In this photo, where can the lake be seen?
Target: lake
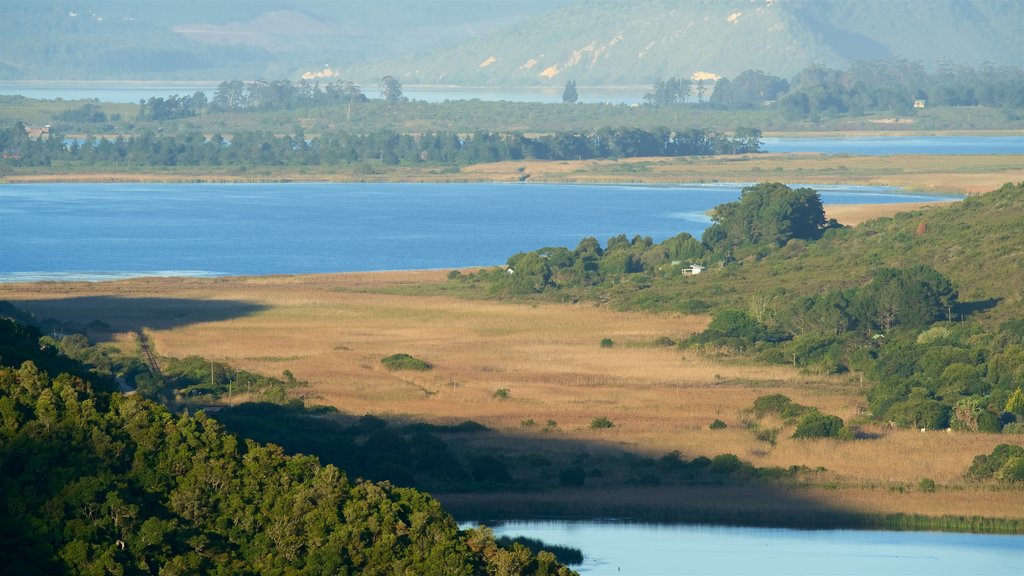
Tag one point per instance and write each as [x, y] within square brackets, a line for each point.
[889, 145]
[619, 548]
[109, 231]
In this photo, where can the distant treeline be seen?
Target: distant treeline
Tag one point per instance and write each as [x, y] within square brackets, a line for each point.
[892, 86]
[387, 147]
[235, 95]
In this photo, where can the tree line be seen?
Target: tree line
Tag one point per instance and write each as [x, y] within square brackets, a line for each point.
[388, 147]
[873, 86]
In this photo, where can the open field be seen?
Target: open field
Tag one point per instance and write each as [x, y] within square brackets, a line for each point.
[332, 331]
[955, 174]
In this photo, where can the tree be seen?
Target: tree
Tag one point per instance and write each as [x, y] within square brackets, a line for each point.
[570, 95]
[769, 213]
[390, 89]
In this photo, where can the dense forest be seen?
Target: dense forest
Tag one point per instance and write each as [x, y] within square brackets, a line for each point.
[386, 147]
[890, 314]
[99, 482]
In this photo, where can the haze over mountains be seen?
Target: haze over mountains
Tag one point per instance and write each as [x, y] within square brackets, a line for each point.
[494, 43]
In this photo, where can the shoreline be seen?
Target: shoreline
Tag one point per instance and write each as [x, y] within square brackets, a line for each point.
[846, 214]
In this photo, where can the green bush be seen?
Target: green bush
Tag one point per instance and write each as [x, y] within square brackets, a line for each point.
[779, 404]
[1012, 471]
[607, 343]
[817, 425]
[404, 361]
[1014, 428]
[1006, 462]
[502, 394]
[601, 422]
[724, 464]
[717, 425]
[926, 485]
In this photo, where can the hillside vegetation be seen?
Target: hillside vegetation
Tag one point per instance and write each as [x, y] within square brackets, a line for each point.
[927, 305]
[100, 482]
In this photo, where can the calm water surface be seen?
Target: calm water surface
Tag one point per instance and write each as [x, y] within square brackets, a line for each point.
[891, 145]
[99, 231]
[615, 548]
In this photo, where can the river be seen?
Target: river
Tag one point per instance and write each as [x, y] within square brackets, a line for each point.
[109, 231]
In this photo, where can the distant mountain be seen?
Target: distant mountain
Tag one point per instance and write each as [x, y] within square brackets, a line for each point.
[223, 40]
[611, 42]
[494, 42]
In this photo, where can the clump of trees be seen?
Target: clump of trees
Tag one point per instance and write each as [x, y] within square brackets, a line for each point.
[1005, 464]
[767, 216]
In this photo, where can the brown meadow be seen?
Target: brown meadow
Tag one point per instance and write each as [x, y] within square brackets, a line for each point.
[332, 330]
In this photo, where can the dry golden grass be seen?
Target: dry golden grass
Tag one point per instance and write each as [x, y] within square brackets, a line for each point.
[854, 214]
[332, 331]
[964, 174]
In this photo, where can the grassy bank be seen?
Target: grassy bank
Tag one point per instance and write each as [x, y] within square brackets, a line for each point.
[954, 174]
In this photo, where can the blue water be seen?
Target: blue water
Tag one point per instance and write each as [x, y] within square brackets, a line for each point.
[99, 231]
[889, 145]
[614, 548]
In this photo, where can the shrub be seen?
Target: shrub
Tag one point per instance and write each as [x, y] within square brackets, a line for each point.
[601, 422]
[607, 343]
[725, 463]
[989, 422]
[817, 425]
[1012, 471]
[717, 425]
[926, 485]
[1006, 462]
[404, 361]
[664, 341]
[1014, 428]
[502, 394]
[779, 404]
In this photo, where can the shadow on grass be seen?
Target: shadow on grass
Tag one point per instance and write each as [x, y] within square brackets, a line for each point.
[101, 316]
[482, 474]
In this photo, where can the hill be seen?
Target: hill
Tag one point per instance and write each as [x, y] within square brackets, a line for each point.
[635, 42]
[221, 40]
[496, 43]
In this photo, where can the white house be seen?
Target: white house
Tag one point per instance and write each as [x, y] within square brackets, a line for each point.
[693, 270]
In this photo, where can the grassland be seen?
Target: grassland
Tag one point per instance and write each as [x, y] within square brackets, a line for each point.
[959, 174]
[332, 330]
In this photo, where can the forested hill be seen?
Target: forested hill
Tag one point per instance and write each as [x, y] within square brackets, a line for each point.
[93, 482]
[637, 41]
